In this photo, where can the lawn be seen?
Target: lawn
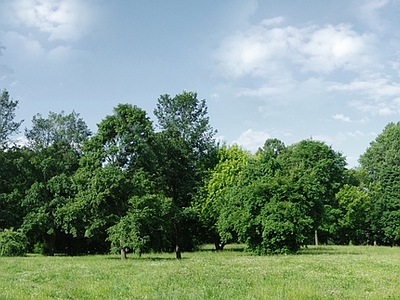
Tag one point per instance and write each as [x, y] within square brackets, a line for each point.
[327, 272]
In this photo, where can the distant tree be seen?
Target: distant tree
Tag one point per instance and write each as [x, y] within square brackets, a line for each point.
[184, 143]
[69, 129]
[7, 116]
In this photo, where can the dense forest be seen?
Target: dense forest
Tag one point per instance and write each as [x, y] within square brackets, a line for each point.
[135, 186]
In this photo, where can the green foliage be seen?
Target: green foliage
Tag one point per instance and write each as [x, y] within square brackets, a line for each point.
[145, 227]
[280, 196]
[57, 128]
[7, 115]
[355, 203]
[183, 148]
[222, 177]
[381, 160]
[13, 243]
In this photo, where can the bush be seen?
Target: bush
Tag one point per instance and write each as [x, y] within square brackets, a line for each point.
[13, 243]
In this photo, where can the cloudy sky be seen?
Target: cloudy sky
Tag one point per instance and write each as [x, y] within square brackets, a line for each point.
[292, 70]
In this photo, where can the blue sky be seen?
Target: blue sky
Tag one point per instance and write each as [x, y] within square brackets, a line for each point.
[292, 70]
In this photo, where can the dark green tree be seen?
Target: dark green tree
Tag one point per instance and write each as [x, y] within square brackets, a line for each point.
[382, 160]
[56, 143]
[117, 165]
[185, 144]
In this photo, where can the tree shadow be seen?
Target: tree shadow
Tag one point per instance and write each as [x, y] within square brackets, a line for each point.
[327, 250]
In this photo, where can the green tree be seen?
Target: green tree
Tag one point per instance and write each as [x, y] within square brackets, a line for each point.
[280, 196]
[184, 145]
[224, 175]
[8, 125]
[354, 221]
[381, 160]
[143, 228]
[16, 177]
[117, 165]
[56, 143]
[321, 172]
[13, 243]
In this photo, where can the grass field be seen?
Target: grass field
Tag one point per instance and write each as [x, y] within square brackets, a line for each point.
[328, 272]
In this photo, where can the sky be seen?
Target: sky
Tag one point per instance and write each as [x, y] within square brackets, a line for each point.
[292, 70]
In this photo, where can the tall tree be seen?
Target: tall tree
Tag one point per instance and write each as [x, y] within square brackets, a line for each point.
[381, 160]
[117, 165]
[185, 140]
[8, 125]
[56, 142]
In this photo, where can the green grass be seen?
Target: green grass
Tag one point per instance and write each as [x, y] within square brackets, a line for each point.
[329, 272]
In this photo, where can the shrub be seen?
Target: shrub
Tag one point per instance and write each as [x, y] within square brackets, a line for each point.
[13, 243]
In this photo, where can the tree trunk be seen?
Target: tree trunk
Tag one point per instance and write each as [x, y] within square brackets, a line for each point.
[177, 250]
[123, 253]
[316, 237]
[217, 242]
[52, 243]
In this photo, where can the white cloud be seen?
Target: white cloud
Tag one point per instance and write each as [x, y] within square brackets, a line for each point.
[273, 21]
[341, 117]
[66, 20]
[252, 140]
[261, 50]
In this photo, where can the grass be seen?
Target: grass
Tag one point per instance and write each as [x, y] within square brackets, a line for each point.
[327, 272]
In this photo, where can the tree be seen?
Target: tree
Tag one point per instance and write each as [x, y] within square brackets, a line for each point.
[381, 160]
[223, 176]
[56, 143]
[281, 194]
[321, 172]
[16, 177]
[7, 115]
[354, 221]
[117, 165]
[143, 228]
[185, 141]
[13, 243]
[68, 129]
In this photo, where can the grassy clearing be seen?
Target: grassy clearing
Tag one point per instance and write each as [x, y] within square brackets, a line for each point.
[329, 272]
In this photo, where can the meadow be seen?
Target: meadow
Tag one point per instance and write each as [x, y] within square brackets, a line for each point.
[325, 272]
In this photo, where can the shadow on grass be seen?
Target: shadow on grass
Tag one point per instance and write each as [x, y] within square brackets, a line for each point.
[328, 250]
[155, 258]
[227, 248]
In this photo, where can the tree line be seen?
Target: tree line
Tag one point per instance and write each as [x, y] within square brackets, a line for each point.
[138, 186]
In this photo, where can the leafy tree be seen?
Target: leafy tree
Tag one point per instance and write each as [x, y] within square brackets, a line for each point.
[13, 243]
[16, 177]
[56, 143]
[321, 172]
[355, 204]
[184, 143]
[223, 176]
[281, 194]
[381, 160]
[68, 129]
[117, 165]
[143, 228]
[7, 116]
